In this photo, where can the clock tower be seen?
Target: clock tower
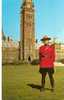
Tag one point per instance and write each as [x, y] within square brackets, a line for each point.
[27, 28]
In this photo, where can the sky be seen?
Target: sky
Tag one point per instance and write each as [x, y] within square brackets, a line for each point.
[49, 18]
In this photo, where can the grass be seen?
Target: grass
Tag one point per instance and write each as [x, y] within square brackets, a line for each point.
[18, 81]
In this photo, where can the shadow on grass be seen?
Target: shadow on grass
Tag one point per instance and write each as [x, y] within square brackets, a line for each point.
[37, 87]
[34, 86]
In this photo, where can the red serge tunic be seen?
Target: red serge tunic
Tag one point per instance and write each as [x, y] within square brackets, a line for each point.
[47, 56]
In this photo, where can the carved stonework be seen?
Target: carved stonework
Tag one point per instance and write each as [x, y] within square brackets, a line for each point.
[27, 30]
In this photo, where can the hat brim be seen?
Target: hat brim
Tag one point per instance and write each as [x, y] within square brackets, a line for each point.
[45, 39]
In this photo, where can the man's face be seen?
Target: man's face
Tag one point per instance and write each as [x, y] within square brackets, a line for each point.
[46, 42]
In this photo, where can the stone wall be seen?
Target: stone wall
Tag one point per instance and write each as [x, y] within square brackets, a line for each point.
[10, 55]
[59, 54]
[13, 55]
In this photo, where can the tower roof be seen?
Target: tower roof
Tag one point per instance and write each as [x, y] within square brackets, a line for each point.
[27, 3]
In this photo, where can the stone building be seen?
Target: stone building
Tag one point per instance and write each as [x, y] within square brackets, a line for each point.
[59, 48]
[10, 50]
[27, 28]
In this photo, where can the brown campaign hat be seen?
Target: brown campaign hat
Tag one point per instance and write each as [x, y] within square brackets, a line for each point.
[45, 38]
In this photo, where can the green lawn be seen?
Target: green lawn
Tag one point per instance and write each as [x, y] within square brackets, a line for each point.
[18, 81]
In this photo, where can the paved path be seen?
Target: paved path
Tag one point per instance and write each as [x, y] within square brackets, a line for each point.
[58, 64]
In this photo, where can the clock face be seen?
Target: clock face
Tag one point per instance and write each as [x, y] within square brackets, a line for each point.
[28, 5]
